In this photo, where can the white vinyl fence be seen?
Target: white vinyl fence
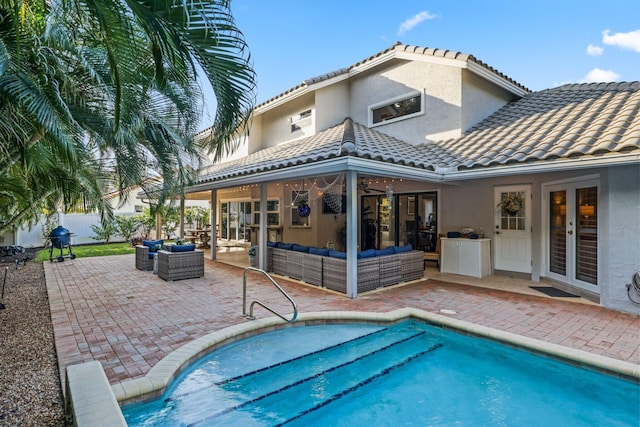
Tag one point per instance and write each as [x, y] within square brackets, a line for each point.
[78, 224]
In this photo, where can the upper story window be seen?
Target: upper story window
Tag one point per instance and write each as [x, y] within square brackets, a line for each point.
[402, 107]
[300, 120]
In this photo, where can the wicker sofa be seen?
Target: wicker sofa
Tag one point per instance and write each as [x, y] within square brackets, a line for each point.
[331, 272]
[180, 265]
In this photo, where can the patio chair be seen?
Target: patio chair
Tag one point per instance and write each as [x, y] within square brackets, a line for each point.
[434, 256]
[144, 258]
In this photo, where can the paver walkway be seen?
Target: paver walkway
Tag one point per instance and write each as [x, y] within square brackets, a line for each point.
[104, 309]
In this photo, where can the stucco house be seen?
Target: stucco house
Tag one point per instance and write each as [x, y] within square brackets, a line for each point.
[415, 142]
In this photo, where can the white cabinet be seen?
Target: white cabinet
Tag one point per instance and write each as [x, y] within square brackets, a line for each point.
[469, 257]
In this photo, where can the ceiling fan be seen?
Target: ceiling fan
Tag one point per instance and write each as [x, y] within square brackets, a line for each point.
[363, 186]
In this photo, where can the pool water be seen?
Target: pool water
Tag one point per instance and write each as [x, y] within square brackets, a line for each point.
[410, 374]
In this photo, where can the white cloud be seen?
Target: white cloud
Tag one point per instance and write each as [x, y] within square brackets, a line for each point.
[594, 50]
[630, 40]
[410, 23]
[597, 75]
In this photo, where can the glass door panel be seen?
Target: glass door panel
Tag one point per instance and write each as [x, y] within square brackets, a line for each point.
[233, 220]
[370, 222]
[224, 218]
[407, 224]
[587, 235]
[558, 232]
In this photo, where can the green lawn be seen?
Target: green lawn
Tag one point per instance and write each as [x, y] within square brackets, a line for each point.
[84, 251]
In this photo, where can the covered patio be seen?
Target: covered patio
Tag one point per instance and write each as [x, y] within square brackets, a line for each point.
[317, 186]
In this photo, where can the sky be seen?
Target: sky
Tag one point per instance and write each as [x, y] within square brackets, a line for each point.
[538, 43]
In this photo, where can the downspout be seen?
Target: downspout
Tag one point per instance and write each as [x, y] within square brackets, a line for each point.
[352, 234]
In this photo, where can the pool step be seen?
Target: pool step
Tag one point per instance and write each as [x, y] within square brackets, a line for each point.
[373, 340]
[365, 382]
[325, 377]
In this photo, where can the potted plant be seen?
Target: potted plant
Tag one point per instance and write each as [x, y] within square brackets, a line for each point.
[512, 203]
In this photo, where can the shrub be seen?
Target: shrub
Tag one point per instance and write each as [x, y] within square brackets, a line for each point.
[104, 231]
[127, 226]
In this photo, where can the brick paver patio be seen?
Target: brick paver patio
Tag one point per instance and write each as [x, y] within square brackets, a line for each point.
[104, 309]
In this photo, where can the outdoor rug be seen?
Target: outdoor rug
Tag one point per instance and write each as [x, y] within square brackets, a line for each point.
[553, 292]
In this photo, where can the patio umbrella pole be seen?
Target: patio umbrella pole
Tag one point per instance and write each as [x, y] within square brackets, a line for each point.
[6, 269]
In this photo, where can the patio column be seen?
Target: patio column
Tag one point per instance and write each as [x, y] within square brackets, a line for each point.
[262, 234]
[158, 224]
[181, 234]
[352, 234]
[214, 227]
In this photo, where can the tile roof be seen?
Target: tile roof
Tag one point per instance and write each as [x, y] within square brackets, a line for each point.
[397, 47]
[346, 139]
[570, 121]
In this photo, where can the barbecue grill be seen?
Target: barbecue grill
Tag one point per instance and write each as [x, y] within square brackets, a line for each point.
[60, 239]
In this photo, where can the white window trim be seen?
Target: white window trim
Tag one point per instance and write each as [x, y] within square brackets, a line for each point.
[304, 122]
[269, 199]
[402, 97]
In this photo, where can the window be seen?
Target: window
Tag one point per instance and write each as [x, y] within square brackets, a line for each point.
[300, 120]
[298, 197]
[273, 212]
[402, 107]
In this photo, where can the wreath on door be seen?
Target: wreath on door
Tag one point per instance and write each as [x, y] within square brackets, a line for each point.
[512, 203]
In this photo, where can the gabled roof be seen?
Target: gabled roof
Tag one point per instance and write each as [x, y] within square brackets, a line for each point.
[571, 123]
[399, 50]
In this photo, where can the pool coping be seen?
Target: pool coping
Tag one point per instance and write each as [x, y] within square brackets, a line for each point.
[155, 382]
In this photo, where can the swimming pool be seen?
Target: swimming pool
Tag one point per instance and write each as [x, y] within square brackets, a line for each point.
[410, 373]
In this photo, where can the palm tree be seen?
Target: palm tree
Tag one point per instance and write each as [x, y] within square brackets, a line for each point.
[110, 90]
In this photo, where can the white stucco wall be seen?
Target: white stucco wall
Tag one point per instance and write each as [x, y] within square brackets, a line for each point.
[332, 105]
[620, 243]
[441, 86]
[276, 127]
[480, 99]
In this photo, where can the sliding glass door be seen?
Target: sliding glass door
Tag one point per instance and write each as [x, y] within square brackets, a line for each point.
[236, 219]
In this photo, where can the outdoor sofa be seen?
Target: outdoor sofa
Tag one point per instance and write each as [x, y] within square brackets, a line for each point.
[174, 262]
[328, 268]
[174, 265]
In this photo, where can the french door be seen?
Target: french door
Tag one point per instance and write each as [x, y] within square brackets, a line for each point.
[236, 218]
[572, 233]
